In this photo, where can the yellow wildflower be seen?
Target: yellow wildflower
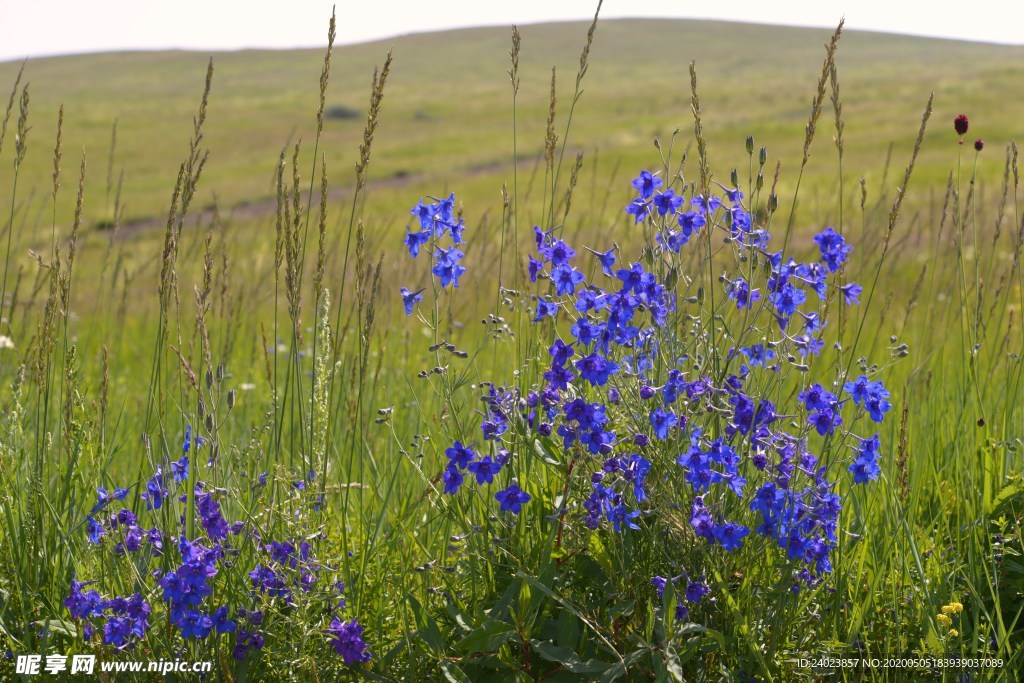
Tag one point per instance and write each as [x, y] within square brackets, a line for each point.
[953, 633]
[945, 620]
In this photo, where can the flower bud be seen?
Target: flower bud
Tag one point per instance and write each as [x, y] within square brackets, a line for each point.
[960, 124]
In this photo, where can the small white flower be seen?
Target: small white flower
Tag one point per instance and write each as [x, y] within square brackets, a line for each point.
[247, 386]
[6, 342]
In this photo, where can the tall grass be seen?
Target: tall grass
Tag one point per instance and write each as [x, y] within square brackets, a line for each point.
[294, 436]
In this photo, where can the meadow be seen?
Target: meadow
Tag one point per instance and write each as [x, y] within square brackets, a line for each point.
[294, 385]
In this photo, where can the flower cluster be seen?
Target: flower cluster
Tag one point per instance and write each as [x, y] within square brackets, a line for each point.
[121, 525]
[637, 379]
[190, 586]
[127, 618]
[437, 220]
[945, 617]
[693, 592]
[346, 638]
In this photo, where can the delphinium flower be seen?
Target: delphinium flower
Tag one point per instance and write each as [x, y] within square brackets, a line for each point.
[646, 183]
[410, 299]
[83, 605]
[625, 384]
[179, 469]
[156, 490]
[103, 498]
[246, 639]
[436, 220]
[447, 267]
[186, 445]
[834, 250]
[346, 639]
[740, 292]
[606, 259]
[865, 466]
[512, 499]
[871, 394]
[186, 587]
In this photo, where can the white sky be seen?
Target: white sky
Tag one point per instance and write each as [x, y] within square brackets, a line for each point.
[33, 28]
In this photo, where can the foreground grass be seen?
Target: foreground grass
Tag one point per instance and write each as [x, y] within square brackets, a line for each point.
[197, 322]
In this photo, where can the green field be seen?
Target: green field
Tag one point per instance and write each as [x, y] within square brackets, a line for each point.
[133, 326]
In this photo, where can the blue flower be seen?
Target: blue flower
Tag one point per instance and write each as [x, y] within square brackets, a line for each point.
[706, 207]
[606, 258]
[187, 444]
[639, 209]
[535, 267]
[179, 468]
[415, 240]
[619, 515]
[155, 491]
[194, 624]
[558, 253]
[346, 638]
[545, 309]
[646, 183]
[596, 369]
[787, 298]
[103, 498]
[758, 355]
[865, 466]
[484, 469]
[512, 499]
[730, 536]
[667, 202]
[566, 278]
[410, 299]
[460, 456]
[221, 621]
[446, 267]
[834, 249]
[740, 292]
[851, 291]
[662, 421]
[696, 590]
[690, 222]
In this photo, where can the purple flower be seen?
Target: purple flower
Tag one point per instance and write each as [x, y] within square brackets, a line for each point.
[606, 258]
[512, 499]
[851, 291]
[646, 183]
[730, 536]
[179, 468]
[346, 638]
[459, 455]
[410, 299]
[566, 278]
[484, 469]
[415, 240]
[452, 479]
[662, 421]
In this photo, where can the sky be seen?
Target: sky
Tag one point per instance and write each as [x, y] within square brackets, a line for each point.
[49, 27]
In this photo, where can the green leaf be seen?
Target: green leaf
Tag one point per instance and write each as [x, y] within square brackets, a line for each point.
[568, 658]
[621, 668]
[544, 452]
[426, 627]
[61, 627]
[487, 637]
[453, 674]
[622, 608]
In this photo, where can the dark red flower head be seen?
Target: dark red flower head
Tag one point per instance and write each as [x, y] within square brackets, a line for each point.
[960, 124]
[979, 144]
